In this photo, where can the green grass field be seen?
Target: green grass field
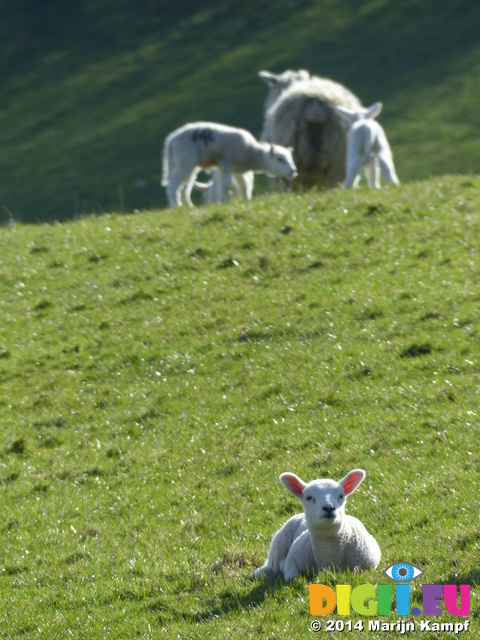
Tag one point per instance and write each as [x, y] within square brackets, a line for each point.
[159, 370]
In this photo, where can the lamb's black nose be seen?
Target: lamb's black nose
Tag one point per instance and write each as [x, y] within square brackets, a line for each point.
[329, 508]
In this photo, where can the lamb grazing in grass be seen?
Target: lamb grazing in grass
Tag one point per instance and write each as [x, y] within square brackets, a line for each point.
[205, 145]
[323, 536]
[241, 186]
[367, 146]
[304, 117]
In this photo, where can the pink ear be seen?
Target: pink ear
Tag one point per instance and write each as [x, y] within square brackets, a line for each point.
[351, 481]
[374, 109]
[293, 484]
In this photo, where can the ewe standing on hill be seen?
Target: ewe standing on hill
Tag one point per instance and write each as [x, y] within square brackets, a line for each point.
[304, 117]
[323, 536]
[205, 145]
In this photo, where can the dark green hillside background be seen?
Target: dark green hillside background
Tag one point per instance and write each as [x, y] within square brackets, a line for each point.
[90, 88]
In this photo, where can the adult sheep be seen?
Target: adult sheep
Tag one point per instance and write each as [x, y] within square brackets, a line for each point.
[304, 117]
[277, 83]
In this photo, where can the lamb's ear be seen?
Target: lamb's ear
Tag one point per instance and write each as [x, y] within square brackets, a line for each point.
[346, 113]
[352, 480]
[374, 110]
[272, 150]
[293, 484]
[269, 78]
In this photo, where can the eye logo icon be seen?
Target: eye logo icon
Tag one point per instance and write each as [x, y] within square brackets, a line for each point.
[403, 572]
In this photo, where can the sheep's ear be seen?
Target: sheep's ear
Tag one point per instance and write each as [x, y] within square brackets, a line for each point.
[269, 78]
[293, 484]
[272, 150]
[352, 480]
[346, 113]
[290, 149]
[374, 110]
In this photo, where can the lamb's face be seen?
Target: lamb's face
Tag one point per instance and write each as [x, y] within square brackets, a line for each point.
[280, 162]
[324, 504]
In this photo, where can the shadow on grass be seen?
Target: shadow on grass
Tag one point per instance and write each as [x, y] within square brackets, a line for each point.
[470, 577]
[230, 601]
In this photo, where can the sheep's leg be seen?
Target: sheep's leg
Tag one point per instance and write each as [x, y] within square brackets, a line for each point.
[249, 178]
[188, 188]
[372, 174]
[377, 173]
[224, 182]
[277, 553]
[179, 177]
[300, 558]
[387, 168]
[244, 185]
[354, 163]
[174, 188]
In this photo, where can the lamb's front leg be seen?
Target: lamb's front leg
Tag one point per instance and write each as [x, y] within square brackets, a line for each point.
[300, 559]
[245, 184]
[280, 546]
[223, 183]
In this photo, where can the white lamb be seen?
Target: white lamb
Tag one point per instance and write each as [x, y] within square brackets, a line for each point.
[241, 186]
[304, 117]
[367, 147]
[204, 145]
[323, 536]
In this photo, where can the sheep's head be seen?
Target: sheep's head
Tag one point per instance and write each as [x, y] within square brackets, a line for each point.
[278, 83]
[362, 113]
[323, 500]
[280, 162]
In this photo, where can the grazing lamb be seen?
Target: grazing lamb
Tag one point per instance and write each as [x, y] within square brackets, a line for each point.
[323, 536]
[304, 117]
[241, 186]
[204, 145]
[367, 146]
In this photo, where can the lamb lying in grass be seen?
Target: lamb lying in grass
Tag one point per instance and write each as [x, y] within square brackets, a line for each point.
[241, 187]
[205, 145]
[323, 536]
[367, 146]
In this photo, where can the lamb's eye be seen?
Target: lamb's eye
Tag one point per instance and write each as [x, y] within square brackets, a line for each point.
[340, 497]
[280, 158]
[311, 498]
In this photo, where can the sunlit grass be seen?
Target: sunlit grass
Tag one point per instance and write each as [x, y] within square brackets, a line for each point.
[160, 370]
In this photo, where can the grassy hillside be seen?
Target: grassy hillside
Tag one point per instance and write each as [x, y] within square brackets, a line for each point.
[90, 89]
[159, 371]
